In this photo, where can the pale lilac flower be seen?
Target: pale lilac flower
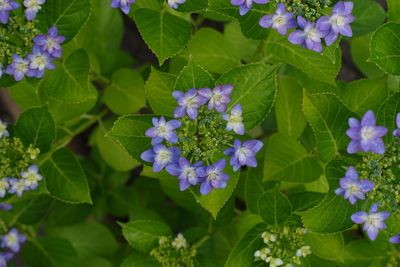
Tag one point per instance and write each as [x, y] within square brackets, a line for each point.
[212, 177]
[337, 23]
[219, 97]
[124, 5]
[3, 129]
[185, 172]
[31, 177]
[39, 61]
[280, 20]
[5, 206]
[373, 221]
[366, 136]
[246, 5]
[395, 239]
[13, 240]
[4, 186]
[51, 42]
[310, 37]
[395, 132]
[161, 156]
[175, 3]
[163, 130]
[17, 186]
[4, 258]
[352, 188]
[235, 120]
[32, 8]
[189, 103]
[244, 155]
[5, 7]
[18, 68]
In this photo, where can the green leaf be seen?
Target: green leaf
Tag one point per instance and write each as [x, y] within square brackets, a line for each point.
[363, 252]
[159, 89]
[388, 112]
[126, 93]
[325, 246]
[137, 259]
[394, 10]
[385, 48]
[317, 66]
[254, 89]
[193, 76]
[36, 127]
[193, 6]
[274, 207]
[243, 252]
[328, 118]
[288, 107]
[330, 216]
[305, 200]
[217, 198]
[129, 132]
[369, 15]
[25, 94]
[33, 210]
[287, 160]
[213, 51]
[65, 178]
[366, 94]
[165, 34]
[144, 234]
[49, 252]
[68, 15]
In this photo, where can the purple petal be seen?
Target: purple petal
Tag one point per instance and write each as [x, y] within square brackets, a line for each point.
[368, 119]
[173, 170]
[359, 217]
[354, 147]
[351, 173]
[373, 208]
[395, 239]
[377, 146]
[205, 187]
[220, 165]
[266, 21]
[148, 155]
[180, 112]
[366, 185]
[372, 233]
[297, 37]
[354, 123]
[380, 131]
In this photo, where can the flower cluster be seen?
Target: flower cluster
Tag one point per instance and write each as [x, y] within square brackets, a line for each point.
[125, 5]
[200, 134]
[26, 52]
[10, 243]
[174, 252]
[17, 173]
[283, 246]
[382, 187]
[314, 26]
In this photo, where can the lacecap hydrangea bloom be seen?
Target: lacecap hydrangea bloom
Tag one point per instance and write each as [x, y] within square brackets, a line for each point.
[192, 146]
[10, 244]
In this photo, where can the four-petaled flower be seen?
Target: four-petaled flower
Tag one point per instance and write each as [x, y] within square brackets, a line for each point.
[160, 156]
[163, 130]
[280, 20]
[219, 97]
[13, 240]
[185, 172]
[5, 7]
[39, 62]
[396, 132]
[244, 155]
[175, 3]
[3, 129]
[212, 176]
[32, 8]
[31, 177]
[310, 37]
[352, 188]
[246, 5]
[189, 103]
[337, 23]
[235, 120]
[17, 186]
[50, 42]
[124, 5]
[366, 136]
[18, 68]
[373, 221]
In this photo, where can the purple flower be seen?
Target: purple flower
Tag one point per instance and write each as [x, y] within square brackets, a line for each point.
[395, 239]
[185, 172]
[17, 186]
[5, 7]
[337, 23]
[31, 177]
[18, 68]
[51, 42]
[352, 188]
[4, 186]
[3, 129]
[212, 177]
[4, 257]
[39, 62]
[246, 5]
[161, 156]
[395, 132]
[366, 136]
[124, 5]
[5, 206]
[280, 20]
[373, 221]
[310, 37]
[189, 103]
[13, 240]
[219, 97]
[244, 155]
[175, 3]
[32, 8]
[163, 130]
[235, 120]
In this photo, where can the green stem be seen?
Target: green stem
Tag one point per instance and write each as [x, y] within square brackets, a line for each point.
[201, 241]
[97, 77]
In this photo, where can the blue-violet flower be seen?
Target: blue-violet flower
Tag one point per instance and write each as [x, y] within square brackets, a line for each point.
[32, 8]
[280, 20]
[50, 42]
[235, 120]
[310, 37]
[163, 130]
[217, 98]
[395, 132]
[244, 155]
[124, 5]
[212, 177]
[246, 5]
[189, 103]
[160, 156]
[5, 7]
[185, 172]
[175, 3]
[13, 240]
[18, 68]
[31, 177]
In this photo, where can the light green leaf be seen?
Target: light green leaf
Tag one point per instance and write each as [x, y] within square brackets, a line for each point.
[274, 207]
[394, 10]
[325, 246]
[254, 89]
[25, 94]
[363, 252]
[165, 34]
[193, 76]
[65, 178]
[144, 234]
[287, 160]
[137, 259]
[387, 113]
[369, 15]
